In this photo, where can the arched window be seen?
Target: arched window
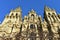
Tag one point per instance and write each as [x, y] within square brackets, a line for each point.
[53, 13]
[32, 15]
[39, 18]
[11, 14]
[32, 26]
[16, 15]
[7, 16]
[49, 14]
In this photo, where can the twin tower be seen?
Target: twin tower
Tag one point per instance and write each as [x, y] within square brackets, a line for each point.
[31, 27]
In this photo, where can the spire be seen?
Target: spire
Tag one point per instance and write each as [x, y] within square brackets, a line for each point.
[17, 9]
[47, 8]
[32, 11]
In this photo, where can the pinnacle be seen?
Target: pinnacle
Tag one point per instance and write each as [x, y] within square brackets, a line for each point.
[18, 9]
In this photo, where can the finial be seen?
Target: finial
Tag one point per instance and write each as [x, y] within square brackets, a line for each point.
[17, 9]
[32, 10]
[47, 8]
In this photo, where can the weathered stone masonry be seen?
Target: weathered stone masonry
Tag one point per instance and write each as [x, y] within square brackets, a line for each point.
[31, 27]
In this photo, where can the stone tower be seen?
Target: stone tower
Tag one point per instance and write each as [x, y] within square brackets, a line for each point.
[12, 23]
[53, 22]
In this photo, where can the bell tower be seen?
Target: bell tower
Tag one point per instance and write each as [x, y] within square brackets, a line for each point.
[16, 15]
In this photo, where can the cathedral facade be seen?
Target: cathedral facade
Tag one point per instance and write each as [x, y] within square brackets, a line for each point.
[32, 26]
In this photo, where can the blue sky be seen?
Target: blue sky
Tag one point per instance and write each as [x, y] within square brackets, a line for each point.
[27, 5]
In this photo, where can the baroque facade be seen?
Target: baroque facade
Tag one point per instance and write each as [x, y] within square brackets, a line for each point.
[32, 26]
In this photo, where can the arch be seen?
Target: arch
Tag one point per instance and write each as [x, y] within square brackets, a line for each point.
[49, 14]
[32, 26]
[16, 15]
[32, 14]
[12, 14]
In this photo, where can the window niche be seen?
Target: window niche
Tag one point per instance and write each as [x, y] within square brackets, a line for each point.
[32, 15]
[10, 17]
[7, 16]
[53, 13]
[16, 15]
[12, 14]
[49, 14]
[32, 26]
